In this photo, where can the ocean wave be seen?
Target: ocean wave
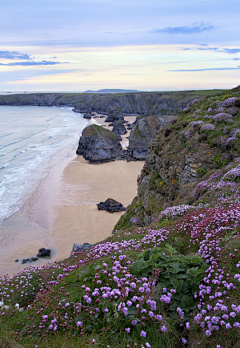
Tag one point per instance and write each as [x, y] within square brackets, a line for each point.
[4, 166]
[29, 154]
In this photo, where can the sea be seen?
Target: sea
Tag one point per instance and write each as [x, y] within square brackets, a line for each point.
[30, 137]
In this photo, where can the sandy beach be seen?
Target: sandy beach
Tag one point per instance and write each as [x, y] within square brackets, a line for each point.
[62, 210]
[76, 218]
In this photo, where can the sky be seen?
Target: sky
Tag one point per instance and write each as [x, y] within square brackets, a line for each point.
[148, 45]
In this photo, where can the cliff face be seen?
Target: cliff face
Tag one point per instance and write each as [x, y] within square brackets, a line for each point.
[142, 133]
[168, 103]
[205, 137]
[137, 103]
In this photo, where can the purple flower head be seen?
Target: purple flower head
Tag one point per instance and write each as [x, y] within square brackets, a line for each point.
[187, 135]
[207, 127]
[223, 117]
[134, 220]
[235, 133]
[195, 123]
[230, 102]
[231, 141]
[143, 333]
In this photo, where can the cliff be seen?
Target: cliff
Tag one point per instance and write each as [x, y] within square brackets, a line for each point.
[142, 133]
[152, 103]
[203, 138]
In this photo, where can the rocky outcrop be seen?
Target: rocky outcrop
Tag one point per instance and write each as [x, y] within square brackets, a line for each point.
[98, 144]
[143, 132]
[81, 247]
[111, 206]
[119, 128]
[41, 253]
[114, 114]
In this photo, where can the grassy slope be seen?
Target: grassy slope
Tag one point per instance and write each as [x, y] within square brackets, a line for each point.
[183, 247]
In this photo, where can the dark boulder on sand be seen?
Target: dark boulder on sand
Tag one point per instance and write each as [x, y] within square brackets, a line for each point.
[111, 206]
[43, 252]
[98, 144]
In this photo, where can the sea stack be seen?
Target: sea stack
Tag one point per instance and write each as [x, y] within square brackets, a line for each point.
[98, 144]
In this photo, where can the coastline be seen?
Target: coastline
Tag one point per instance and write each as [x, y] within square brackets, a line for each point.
[62, 210]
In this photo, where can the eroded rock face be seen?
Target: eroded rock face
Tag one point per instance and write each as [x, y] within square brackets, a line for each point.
[114, 114]
[98, 144]
[143, 132]
[118, 127]
[111, 206]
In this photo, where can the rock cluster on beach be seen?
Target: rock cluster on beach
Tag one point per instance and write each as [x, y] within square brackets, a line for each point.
[41, 253]
[98, 144]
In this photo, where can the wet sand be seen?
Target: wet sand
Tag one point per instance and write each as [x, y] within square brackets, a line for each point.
[62, 210]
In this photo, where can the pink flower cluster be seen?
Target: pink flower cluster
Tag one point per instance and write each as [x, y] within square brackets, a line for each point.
[207, 127]
[175, 211]
[221, 184]
[223, 117]
[195, 123]
[230, 102]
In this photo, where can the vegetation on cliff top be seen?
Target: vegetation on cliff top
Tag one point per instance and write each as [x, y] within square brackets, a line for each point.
[171, 280]
[94, 129]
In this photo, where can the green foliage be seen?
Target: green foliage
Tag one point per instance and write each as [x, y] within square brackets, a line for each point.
[153, 180]
[219, 161]
[179, 272]
[156, 149]
[214, 105]
[160, 183]
[201, 171]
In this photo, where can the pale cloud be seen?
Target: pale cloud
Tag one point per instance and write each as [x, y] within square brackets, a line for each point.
[44, 62]
[195, 28]
[214, 49]
[14, 55]
[209, 69]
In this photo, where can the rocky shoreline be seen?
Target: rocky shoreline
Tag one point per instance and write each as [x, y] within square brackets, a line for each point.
[153, 110]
